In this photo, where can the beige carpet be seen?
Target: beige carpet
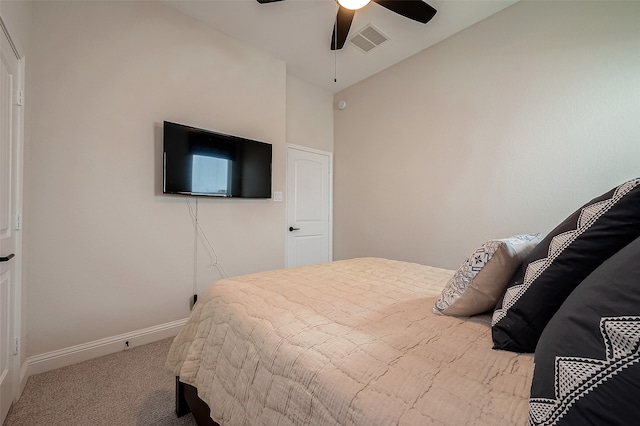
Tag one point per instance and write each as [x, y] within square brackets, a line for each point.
[126, 388]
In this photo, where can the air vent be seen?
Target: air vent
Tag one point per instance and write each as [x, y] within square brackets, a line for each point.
[368, 38]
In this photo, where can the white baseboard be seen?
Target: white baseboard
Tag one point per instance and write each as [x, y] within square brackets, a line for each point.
[74, 354]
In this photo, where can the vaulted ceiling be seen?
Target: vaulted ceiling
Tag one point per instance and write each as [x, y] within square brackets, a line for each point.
[299, 33]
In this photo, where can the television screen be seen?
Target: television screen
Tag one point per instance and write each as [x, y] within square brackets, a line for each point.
[202, 162]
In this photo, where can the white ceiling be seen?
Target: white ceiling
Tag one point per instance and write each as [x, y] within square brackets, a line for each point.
[299, 33]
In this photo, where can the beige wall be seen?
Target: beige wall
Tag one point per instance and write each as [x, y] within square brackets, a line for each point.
[505, 128]
[106, 253]
[309, 115]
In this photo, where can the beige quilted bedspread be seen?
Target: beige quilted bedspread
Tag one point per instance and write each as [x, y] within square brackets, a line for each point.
[351, 342]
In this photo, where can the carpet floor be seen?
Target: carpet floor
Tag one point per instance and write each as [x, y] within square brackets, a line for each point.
[130, 387]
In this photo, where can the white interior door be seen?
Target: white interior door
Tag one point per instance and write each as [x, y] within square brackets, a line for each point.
[8, 213]
[308, 206]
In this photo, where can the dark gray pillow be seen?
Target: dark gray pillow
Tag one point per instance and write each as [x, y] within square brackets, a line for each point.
[561, 261]
[586, 362]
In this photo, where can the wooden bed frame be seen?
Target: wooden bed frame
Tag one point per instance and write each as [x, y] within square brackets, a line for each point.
[188, 401]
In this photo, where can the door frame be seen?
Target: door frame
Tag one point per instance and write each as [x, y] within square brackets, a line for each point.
[287, 196]
[19, 376]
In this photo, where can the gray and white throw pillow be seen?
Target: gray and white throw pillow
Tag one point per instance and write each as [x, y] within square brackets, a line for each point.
[482, 278]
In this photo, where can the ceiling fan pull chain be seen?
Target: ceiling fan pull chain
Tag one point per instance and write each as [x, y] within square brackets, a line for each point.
[335, 66]
[335, 51]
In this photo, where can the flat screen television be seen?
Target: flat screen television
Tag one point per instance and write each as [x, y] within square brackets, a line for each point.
[203, 162]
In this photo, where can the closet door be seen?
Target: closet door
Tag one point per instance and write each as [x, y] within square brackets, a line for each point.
[9, 116]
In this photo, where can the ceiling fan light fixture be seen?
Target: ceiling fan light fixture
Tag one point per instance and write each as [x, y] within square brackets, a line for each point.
[353, 4]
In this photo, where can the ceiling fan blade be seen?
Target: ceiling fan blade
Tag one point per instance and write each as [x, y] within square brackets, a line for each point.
[267, 1]
[412, 9]
[341, 28]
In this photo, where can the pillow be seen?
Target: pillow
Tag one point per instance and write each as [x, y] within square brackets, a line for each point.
[587, 368]
[478, 284]
[561, 261]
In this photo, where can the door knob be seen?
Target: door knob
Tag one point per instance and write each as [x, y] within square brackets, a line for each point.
[6, 258]
[291, 229]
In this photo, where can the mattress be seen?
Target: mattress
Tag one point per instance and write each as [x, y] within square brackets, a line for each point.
[351, 342]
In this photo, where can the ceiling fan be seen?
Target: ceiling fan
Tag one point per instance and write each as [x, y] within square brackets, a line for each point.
[416, 10]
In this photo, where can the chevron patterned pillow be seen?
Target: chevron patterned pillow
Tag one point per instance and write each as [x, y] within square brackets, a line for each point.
[587, 362]
[561, 261]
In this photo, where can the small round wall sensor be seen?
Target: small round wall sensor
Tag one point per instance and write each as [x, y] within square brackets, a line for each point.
[342, 104]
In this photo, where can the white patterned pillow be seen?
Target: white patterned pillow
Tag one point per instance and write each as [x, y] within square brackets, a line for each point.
[482, 279]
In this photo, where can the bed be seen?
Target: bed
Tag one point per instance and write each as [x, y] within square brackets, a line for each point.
[352, 342]
[373, 341]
